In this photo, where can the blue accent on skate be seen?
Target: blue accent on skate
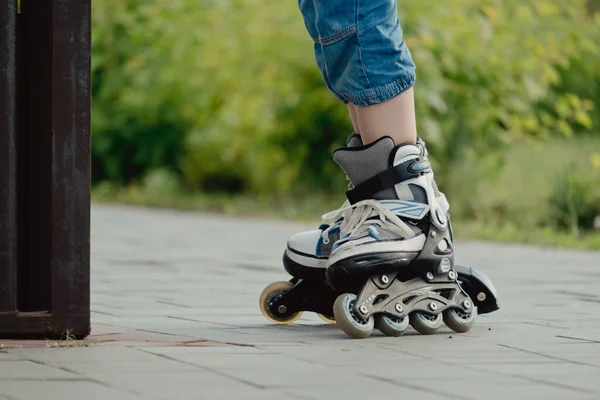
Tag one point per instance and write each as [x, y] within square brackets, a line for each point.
[340, 242]
[397, 201]
[408, 208]
[333, 230]
[420, 166]
[372, 232]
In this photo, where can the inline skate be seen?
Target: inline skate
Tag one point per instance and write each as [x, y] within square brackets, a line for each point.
[305, 259]
[394, 260]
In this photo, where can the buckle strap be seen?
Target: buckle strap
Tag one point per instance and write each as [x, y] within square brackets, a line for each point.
[388, 179]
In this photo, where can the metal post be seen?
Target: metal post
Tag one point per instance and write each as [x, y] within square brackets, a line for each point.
[8, 167]
[45, 168]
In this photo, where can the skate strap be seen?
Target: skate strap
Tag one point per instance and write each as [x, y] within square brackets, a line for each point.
[387, 179]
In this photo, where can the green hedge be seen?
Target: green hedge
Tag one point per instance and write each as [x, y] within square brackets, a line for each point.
[224, 95]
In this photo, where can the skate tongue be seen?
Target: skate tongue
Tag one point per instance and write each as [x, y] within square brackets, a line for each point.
[363, 162]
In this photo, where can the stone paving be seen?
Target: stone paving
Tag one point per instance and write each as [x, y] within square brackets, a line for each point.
[175, 313]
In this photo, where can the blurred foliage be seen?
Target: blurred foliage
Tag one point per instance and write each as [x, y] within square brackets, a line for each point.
[551, 184]
[575, 200]
[225, 96]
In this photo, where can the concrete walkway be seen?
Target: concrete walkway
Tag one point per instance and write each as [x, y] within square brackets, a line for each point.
[175, 312]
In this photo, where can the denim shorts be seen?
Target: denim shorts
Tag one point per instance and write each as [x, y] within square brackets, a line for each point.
[359, 48]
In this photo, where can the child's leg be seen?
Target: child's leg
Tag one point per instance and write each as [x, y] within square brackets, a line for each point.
[354, 117]
[394, 118]
[363, 58]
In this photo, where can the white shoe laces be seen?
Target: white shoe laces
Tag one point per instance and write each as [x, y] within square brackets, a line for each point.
[355, 219]
[358, 220]
[331, 219]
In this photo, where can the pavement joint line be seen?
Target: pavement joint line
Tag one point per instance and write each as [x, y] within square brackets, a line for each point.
[578, 339]
[104, 313]
[546, 326]
[549, 356]
[152, 331]
[78, 379]
[525, 378]
[65, 369]
[90, 379]
[102, 304]
[408, 353]
[204, 322]
[244, 345]
[232, 330]
[169, 303]
[206, 369]
[543, 381]
[87, 378]
[295, 357]
[420, 388]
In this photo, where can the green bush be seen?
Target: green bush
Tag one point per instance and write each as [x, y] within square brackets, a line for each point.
[490, 71]
[551, 184]
[224, 95]
[575, 200]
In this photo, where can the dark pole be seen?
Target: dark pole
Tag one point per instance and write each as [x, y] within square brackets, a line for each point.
[70, 191]
[8, 171]
[45, 168]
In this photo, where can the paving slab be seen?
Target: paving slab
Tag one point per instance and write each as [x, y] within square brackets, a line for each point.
[187, 385]
[63, 390]
[175, 316]
[23, 370]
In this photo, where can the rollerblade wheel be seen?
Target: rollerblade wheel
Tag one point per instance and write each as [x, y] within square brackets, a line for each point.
[458, 320]
[391, 326]
[425, 323]
[329, 320]
[272, 291]
[348, 320]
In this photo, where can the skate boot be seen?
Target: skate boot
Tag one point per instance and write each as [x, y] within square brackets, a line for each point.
[394, 259]
[305, 259]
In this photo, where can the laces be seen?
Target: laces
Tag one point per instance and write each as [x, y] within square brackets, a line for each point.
[350, 185]
[332, 219]
[359, 218]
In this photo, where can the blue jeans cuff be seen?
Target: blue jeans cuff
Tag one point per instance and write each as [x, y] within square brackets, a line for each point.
[380, 94]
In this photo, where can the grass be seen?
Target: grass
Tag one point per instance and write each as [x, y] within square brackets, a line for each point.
[513, 204]
[304, 209]
[68, 340]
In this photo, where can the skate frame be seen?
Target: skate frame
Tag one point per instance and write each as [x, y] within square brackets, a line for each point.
[398, 299]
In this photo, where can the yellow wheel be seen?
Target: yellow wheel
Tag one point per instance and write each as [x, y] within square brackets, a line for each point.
[268, 294]
[327, 319]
